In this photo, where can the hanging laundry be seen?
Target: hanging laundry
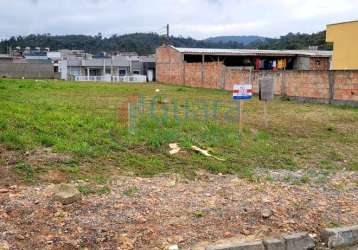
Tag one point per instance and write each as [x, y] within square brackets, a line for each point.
[284, 63]
[274, 65]
[258, 64]
[280, 64]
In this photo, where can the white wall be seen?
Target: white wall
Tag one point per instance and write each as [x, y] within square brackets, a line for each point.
[62, 68]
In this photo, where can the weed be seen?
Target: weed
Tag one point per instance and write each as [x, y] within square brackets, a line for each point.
[71, 169]
[85, 190]
[199, 214]
[100, 180]
[270, 178]
[305, 179]
[25, 171]
[353, 166]
[331, 223]
[130, 192]
[288, 178]
[104, 190]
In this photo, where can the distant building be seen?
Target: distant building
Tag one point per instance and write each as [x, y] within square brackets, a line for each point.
[36, 55]
[345, 45]
[74, 54]
[53, 56]
[15, 67]
[116, 68]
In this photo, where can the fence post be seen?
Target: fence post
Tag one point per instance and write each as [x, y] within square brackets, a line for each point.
[131, 118]
[331, 83]
[223, 76]
[202, 69]
[283, 84]
[186, 110]
[184, 72]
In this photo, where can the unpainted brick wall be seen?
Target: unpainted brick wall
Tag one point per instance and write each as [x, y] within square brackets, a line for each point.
[169, 66]
[319, 63]
[308, 84]
[346, 85]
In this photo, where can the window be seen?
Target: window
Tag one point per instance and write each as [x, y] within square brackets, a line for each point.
[122, 72]
[136, 72]
[318, 62]
[108, 71]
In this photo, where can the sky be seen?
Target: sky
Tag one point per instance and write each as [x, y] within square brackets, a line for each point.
[195, 18]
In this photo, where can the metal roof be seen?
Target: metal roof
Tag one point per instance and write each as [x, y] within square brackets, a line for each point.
[254, 52]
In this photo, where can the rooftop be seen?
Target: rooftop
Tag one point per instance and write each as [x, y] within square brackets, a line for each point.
[353, 21]
[116, 62]
[254, 52]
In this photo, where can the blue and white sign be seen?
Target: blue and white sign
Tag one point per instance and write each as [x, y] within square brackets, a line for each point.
[242, 92]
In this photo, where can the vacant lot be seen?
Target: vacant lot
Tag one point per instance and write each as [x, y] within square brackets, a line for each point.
[303, 166]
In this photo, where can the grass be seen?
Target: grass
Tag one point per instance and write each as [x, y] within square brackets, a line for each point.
[25, 171]
[86, 122]
[87, 190]
[199, 214]
[130, 192]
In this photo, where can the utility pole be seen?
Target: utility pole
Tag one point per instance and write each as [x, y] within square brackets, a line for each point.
[168, 34]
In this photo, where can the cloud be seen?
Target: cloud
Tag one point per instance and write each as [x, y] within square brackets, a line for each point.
[195, 18]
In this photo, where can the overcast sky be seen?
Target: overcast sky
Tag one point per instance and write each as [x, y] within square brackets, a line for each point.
[195, 18]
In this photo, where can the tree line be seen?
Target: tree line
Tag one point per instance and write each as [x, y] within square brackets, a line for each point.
[146, 43]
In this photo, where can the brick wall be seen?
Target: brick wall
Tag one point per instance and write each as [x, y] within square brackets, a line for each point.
[339, 87]
[346, 86]
[319, 63]
[169, 66]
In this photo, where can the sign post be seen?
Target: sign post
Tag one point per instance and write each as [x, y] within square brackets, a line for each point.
[242, 92]
[266, 93]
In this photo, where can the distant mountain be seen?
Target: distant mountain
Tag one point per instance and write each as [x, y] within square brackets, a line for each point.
[245, 40]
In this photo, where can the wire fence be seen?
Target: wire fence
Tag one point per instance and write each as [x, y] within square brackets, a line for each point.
[162, 108]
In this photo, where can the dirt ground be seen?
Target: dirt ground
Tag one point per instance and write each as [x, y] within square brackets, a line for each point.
[154, 213]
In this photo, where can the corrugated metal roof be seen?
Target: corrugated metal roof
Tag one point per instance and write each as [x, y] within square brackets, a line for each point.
[254, 52]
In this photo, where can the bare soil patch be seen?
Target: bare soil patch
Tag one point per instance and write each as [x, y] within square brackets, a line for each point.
[153, 213]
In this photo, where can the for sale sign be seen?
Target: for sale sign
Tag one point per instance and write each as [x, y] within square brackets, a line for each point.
[242, 92]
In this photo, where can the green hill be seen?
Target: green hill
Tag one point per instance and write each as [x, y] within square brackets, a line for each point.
[146, 43]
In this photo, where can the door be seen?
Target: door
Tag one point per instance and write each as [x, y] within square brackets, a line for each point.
[150, 75]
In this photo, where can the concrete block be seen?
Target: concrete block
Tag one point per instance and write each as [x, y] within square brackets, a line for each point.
[200, 246]
[299, 241]
[340, 237]
[238, 245]
[274, 244]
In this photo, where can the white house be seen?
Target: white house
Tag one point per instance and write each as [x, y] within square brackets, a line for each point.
[115, 69]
